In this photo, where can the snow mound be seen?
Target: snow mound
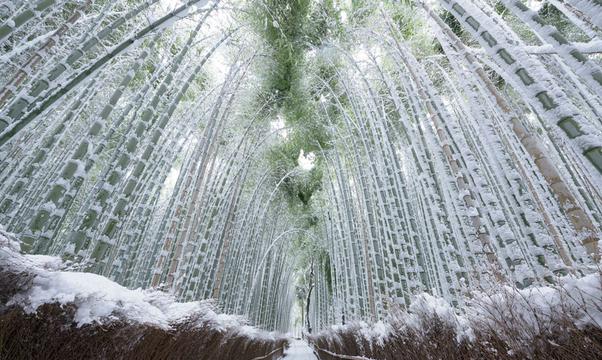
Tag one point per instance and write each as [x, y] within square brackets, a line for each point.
[425, 306]
[98, 299]
[507, 311]
[578, 299]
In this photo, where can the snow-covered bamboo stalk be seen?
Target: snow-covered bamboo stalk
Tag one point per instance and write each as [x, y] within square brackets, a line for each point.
[577, 216]
[551, 105]
[579, 63]
[21, 18]
[44, 94]
[9, 89]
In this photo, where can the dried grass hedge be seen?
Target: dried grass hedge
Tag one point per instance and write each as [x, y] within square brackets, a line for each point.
[52, 334]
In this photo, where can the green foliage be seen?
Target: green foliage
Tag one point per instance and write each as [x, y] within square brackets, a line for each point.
[198, 85]
[523, 31]
[550, 15]
[325, 22]
[290, 28]
[453, 23]
[500, 9]
[281, 24]
[142, 75]
[404, 18]
[301, 185]
[361, 11]
[410, 25]
[555, 17]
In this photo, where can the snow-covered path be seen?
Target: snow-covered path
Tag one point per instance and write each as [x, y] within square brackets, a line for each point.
[299, 350]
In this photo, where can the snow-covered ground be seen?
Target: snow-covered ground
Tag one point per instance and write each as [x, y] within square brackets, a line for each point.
[299, 350]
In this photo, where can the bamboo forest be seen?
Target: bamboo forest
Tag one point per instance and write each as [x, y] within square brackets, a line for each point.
[300, 179]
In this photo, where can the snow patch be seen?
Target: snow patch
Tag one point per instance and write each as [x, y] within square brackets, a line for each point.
[306, 162]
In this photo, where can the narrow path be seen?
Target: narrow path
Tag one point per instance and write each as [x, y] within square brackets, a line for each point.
[299, 350]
